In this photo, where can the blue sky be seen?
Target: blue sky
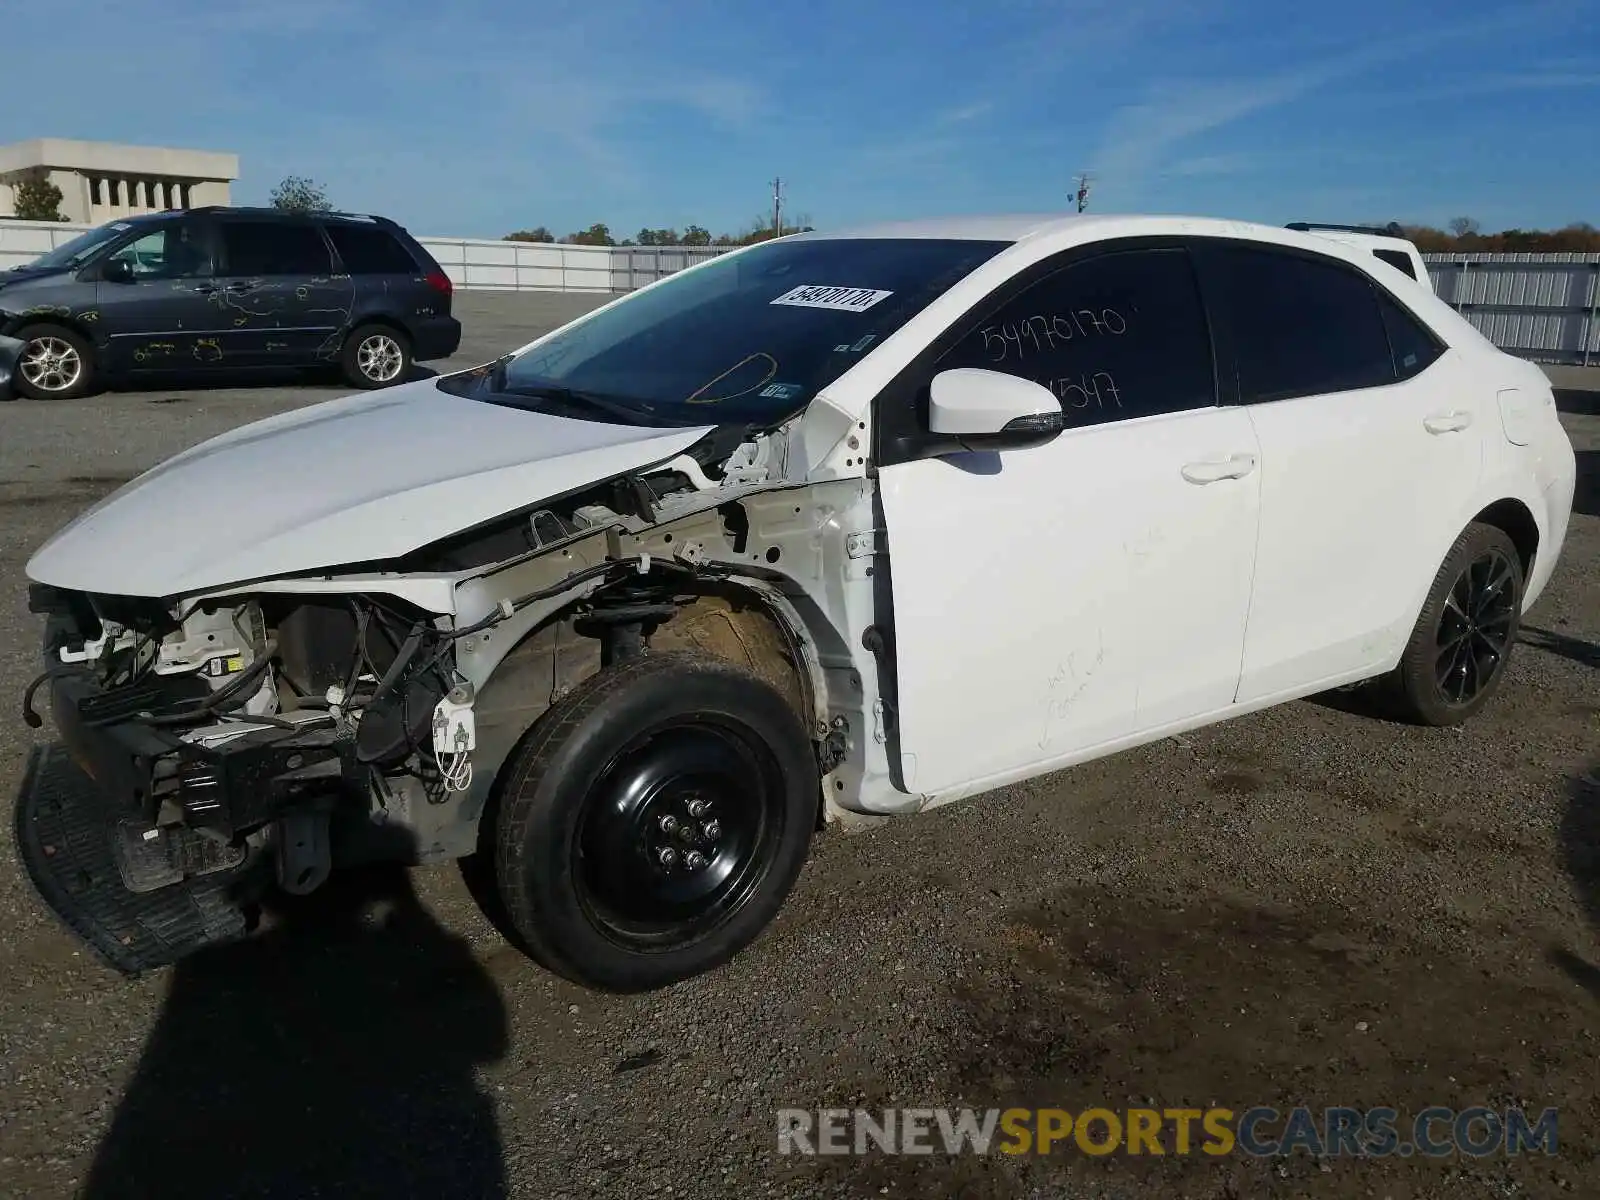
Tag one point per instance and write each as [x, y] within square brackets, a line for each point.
[476, 117]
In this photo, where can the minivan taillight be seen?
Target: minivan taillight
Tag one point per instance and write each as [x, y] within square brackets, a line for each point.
[439, 282]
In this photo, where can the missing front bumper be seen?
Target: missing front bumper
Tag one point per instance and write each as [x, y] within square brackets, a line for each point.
[68, 831]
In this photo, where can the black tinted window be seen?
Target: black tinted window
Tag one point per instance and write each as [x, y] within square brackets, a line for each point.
[1394, 258]
[1301, 326]
[370, 251]
[1414, 347]
[273, 248]
[1117, 336]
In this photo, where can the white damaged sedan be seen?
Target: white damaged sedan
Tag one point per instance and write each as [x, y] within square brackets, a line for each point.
[833, 527]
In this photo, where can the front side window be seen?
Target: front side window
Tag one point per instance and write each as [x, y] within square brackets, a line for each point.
[748, 339]
[274, 248]
[175, 251]
[1301, 326]
[1117, 336]
[81, 248]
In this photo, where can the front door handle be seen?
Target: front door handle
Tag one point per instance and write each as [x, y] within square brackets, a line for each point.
[1452, 422]
[1235, 466]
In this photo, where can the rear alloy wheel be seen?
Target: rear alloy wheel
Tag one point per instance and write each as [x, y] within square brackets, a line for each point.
[654, 821]
[376, 356]
[56, 363]
[1462, 642]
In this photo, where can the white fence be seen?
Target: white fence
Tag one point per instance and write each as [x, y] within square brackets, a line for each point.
[1541, 306]
[473, 264]
[1545, 307]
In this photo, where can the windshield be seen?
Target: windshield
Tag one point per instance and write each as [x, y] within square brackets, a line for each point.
[81, 248]
[748, 339]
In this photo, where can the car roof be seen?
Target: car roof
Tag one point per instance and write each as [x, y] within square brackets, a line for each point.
[1067, 228]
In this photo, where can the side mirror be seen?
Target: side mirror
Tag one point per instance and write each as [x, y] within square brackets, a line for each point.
[117, 270]
[990, 410]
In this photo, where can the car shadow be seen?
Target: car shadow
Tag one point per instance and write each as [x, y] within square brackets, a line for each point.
[1580, 848]
[334, 1053]
[1586, 499]
[1579, 402]
[1579, 650]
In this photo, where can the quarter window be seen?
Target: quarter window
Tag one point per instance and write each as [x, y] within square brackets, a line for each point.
[1116, 336]
[1301, 326]
[370, 251]
[274, 248]
[1413, 346]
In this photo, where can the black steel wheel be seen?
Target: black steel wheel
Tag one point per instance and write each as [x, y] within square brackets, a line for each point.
[1463, 638]
[653, 822]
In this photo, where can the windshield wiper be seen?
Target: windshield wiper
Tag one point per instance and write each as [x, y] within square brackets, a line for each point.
[555, 391]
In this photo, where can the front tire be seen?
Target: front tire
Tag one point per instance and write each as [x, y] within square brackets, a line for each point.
[1462, 641]
[376, 356]
[654, 821]
[56, 363]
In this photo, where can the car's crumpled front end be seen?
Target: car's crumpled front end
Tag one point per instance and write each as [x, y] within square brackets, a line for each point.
[332, 666]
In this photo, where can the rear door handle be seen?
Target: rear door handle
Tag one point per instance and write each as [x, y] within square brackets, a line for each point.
[1452, 422]
[1236, 466]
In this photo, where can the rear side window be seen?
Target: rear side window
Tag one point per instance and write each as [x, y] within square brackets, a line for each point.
[274, 248]
[1401, 262]
[1301, 326]
[1414, 346]
[370, 251]
[1117, 336]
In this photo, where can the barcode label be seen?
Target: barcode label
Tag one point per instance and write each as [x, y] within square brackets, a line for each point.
[842, 299]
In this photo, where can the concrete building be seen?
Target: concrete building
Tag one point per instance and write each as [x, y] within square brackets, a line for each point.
[101, 181]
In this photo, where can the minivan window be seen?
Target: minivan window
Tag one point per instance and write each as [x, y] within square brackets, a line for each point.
[1399, 261]
[1120, 335]
[746, 339]
[173, 251]
[1302, 326]
[273, 248]
[370, 251]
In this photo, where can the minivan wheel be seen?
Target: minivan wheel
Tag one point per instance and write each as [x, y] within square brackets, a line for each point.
[653, 821]
[1463, 639]
[56, 363]
[376, 356]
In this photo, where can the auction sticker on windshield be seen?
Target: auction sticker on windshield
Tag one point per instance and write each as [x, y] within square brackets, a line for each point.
[842, 299]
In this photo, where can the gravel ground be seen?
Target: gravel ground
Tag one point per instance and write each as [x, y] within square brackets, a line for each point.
[1302, 906]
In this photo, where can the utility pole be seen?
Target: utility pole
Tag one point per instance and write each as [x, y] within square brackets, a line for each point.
[1083, 190]
[777, 207]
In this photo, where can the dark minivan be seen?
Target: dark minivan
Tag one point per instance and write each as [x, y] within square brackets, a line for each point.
[216, 288]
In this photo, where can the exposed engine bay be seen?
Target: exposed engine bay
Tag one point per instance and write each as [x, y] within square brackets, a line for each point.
[363, 715]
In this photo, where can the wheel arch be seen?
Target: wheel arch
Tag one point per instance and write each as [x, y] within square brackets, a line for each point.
[742, 622]
[1516, 520]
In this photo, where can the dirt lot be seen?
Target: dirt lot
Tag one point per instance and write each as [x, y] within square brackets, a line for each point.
[1305, 906]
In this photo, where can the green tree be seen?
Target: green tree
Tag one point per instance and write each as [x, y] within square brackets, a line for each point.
[298, 194]
[537, 234]
[38, 200]
[696, 235]
[598, 234]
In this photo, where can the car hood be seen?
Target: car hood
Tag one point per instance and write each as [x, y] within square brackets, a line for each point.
[354, 480]
[24, 273]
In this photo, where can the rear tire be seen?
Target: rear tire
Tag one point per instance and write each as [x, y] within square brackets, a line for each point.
[654, 821]
[1463, 639]
[56, 363]
[376, 356]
